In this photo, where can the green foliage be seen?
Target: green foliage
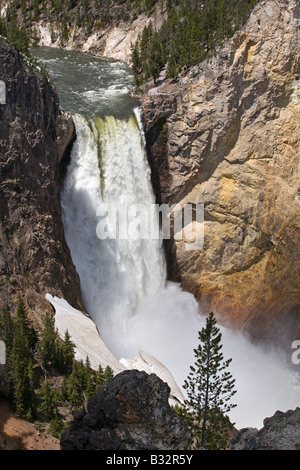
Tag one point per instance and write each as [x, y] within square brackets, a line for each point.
[15, 33]
[48, 348]
[29, 354]
[192, 31]
[89, 15]
[48, 395]
[67, 356]
[56, 427]
[84, 382]
[54, 352]
[193, 28]
[20, 360]
[210, 388]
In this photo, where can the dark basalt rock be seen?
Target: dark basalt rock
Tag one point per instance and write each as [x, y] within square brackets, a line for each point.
[130, 413]
[34, 136]
[281, 432]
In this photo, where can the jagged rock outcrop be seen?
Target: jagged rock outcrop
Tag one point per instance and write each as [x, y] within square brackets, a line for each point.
[34, 135]
[281, 432]
[129, 413]
[228, 137]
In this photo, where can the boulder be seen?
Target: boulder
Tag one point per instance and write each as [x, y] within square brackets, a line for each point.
[280, 432]
[131, 412]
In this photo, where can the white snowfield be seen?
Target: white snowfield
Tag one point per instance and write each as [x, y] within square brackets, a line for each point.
[88, 343]
[84, 334]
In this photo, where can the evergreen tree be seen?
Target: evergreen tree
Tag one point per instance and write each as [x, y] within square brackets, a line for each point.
[74, 392]
[48, 403]
[6, 330]
[210, 387]
[108, 374]
[64, 389]
[21, 363]
[99, 377]
[67, 354]
[48, 342]
[191, 32]
[56, 427]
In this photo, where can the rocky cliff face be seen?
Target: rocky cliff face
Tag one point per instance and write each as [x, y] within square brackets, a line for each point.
[227, 135]
[67, 27]
[280, 432]
[34, 136]
[113, 41]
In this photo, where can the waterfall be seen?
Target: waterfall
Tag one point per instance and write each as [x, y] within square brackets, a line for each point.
[109, 163]
[124, 280]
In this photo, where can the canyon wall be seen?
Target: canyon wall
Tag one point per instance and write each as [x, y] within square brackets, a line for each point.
[112, 40]
[226, 135]
[34, 138]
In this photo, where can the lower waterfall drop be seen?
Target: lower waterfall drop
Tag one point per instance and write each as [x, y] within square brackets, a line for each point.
[124, 281]
[117, 275]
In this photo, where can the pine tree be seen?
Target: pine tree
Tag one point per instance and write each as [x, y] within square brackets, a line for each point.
[6, 330]
[21, 363]
[64, 389]
[48, 342]
[67, 354]
[99, 377]
[210, 388]
[108, 374]
[48, 404]
[90, 388]
[74, 392]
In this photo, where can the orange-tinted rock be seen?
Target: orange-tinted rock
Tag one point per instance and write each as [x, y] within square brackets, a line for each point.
[231, 141]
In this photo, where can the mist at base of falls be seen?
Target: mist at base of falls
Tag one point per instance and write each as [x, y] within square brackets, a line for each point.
[166, 326]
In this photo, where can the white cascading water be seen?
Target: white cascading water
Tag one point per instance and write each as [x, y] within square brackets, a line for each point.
[116, 275]
[124, 281]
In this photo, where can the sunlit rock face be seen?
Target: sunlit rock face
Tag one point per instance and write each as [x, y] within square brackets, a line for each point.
[228, 137]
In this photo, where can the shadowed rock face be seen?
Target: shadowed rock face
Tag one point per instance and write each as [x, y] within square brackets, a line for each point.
[34, 136]
[228, 137]
[129, 413]
[281, 432]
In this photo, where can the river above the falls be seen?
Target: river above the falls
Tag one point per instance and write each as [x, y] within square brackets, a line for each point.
[89, 85]
[123, 281]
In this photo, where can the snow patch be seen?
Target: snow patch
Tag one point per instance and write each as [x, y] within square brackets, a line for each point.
[88, 343]
[84, 335]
